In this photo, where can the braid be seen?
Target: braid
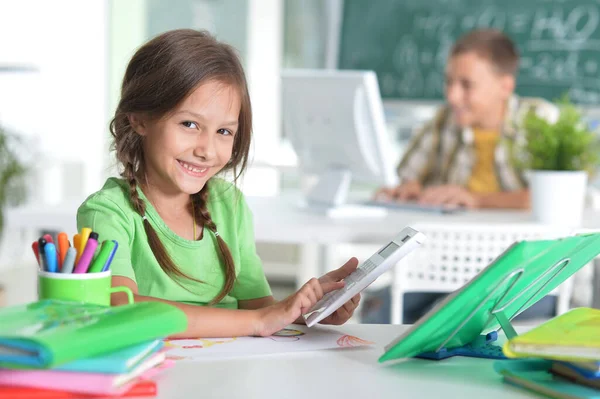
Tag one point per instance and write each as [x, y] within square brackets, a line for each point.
[202, 200]
[158, 249]
[136, 201]
[199, 202]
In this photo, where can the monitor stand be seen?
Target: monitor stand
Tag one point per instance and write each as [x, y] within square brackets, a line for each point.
[328, 197]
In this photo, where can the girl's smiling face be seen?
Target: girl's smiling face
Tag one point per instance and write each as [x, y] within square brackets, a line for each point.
[189, 145]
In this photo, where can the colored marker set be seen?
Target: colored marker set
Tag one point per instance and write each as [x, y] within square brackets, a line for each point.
[61, 257]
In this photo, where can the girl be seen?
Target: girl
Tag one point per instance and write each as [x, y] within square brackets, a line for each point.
[185, 236]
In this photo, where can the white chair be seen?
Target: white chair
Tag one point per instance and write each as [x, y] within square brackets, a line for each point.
[450, 257]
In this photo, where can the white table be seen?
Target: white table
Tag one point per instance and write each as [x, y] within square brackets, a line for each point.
[281, 220]
[337, 373]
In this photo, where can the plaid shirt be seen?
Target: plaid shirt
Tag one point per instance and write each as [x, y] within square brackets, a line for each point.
[443, 153]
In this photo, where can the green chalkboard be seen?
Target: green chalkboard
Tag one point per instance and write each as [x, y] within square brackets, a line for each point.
[406, 42]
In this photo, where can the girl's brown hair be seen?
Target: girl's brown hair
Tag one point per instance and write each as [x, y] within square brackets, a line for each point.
[161, 74]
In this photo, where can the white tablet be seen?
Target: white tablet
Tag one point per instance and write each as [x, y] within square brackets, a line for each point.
[380, 262]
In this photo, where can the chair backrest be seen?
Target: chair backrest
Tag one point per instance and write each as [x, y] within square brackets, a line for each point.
[453, 253]
[451, 256]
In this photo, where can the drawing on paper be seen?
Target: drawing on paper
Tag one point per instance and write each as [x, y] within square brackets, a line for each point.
[198, 343]
[291, 339]
[287, 335]
[288, 332]
[350, 341]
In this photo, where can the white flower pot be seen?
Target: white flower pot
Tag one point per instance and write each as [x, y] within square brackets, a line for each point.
[558, 197]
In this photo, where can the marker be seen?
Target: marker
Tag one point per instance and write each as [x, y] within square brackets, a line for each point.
[88, 254]
[35, 246]
[84, 234]
[104, 257]
[63, 246]
[69, 260]
[50, 251]
[48, 238]
[110, 258]
[41, 245]
[76, 242]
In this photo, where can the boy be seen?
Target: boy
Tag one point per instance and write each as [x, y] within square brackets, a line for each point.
[462, 157]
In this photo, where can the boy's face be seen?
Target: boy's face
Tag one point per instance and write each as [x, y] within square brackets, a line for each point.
[475, 90]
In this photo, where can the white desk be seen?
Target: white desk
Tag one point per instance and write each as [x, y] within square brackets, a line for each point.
[337, 373]
[281, 220]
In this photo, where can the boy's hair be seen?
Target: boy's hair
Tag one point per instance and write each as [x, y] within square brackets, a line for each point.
[161, 74]
[492, 45]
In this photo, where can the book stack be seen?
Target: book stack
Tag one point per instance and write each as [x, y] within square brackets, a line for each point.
[54, 349]
[559, 359]
[583, 373]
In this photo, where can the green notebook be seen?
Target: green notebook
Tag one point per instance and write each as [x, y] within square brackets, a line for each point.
[49, 333]
[521, 276]
[573, 336]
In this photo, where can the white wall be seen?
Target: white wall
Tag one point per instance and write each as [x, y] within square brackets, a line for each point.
[66, 105]
[263, 68]
[63, 105]
[253, 27]
[127, 31]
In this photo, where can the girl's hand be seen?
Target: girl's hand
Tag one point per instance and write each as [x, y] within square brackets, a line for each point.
[280, 315]
[345, 312]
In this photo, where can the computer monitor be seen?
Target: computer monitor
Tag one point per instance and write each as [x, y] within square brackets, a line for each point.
[335, 122]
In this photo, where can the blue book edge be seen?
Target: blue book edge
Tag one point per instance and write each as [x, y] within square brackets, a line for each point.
[534, 375]
[23, 352]
[118, 362]
[586, 373]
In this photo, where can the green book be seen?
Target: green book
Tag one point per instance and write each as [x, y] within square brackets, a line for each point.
[49, 333]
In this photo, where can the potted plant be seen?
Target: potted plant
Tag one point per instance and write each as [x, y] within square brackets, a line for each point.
[12, 174]
[12, 180]
[559, 156]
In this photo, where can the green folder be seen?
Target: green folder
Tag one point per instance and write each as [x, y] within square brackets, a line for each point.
[521, 276]
[49, 333]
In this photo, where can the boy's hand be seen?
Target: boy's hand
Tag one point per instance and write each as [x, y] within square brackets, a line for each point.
[410, 190]
[345, 312]
[449, 195]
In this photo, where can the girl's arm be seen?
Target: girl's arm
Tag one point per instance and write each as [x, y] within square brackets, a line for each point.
[210, 322]
[257, 303]
[203, 321]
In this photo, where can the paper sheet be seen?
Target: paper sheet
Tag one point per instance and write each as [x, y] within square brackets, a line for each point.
[295, 338]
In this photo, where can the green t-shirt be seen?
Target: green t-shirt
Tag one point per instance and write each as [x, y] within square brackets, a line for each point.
[109, 213]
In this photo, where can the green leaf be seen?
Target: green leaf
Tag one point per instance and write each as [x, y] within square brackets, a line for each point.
[565, 145]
